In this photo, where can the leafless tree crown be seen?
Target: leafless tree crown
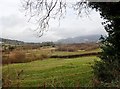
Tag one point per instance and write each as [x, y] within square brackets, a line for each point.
[45, 10]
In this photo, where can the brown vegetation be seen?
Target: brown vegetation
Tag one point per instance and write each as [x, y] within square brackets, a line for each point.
[23, 56]
[66, 48]
[14, 57]
[76, 47]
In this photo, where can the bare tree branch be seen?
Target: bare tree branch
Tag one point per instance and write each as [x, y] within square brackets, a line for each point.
[45, 10]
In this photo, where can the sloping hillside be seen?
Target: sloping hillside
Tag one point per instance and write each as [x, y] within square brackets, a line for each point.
[80, 39]
[9, 41]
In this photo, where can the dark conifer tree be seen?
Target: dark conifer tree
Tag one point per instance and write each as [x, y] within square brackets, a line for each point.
[108, 69]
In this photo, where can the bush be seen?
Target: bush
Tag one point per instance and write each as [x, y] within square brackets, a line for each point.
[37, 55]
[104, 73]
[16, 57]
[44, 55]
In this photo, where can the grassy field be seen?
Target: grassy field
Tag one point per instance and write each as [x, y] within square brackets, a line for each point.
[51, 73]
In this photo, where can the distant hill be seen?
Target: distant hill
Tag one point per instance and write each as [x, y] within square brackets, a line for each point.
[16, 42]
[80, 39]
[9, 41]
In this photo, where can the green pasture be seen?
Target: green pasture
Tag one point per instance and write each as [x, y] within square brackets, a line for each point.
[51, 72]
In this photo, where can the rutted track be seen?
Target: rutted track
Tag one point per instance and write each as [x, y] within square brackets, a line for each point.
[77, 55]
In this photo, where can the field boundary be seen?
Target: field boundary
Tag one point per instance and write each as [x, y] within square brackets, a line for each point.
[76, 55]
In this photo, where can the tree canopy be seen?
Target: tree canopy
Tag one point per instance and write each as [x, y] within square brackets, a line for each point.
[108, 69]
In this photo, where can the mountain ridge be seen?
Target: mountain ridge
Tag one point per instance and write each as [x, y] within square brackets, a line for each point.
[80, 39]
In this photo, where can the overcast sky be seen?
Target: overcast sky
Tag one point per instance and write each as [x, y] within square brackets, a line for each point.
[14, 25]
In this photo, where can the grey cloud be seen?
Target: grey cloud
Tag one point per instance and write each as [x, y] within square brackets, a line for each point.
[11, 21]
[73, 32]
